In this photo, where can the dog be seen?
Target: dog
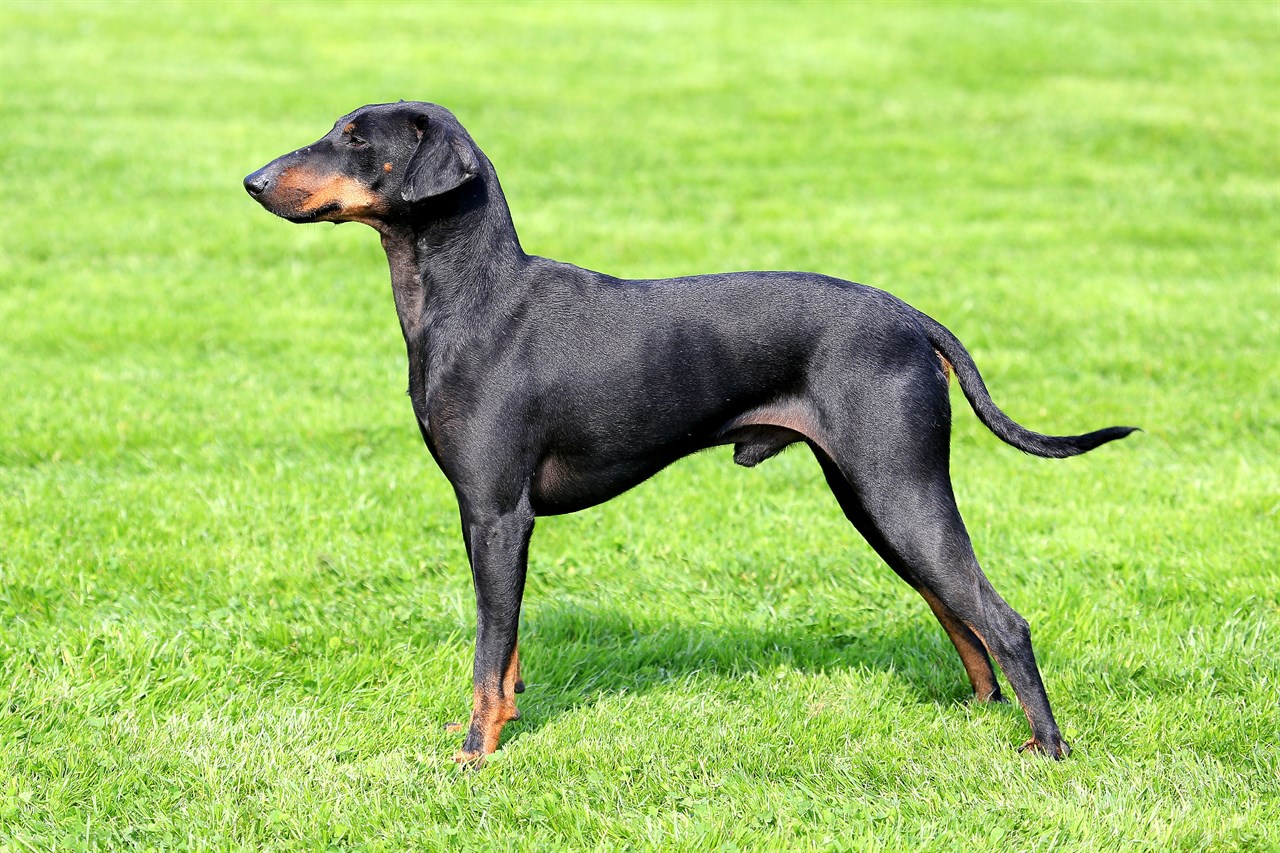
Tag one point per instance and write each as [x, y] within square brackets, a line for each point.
[541, 388]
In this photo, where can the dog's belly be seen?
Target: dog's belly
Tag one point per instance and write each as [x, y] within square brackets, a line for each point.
[567, 480]
[564, 484]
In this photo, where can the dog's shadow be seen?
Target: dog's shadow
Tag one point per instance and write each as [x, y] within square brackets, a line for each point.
[575, 657]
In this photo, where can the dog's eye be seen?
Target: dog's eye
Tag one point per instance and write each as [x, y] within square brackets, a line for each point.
[356, 142]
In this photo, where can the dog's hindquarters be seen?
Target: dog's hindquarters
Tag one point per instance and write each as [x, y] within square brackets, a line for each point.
[887, 462]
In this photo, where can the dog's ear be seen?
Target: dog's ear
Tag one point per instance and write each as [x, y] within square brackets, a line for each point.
[443, 161]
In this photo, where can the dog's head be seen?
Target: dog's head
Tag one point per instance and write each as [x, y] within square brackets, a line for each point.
[374, 165]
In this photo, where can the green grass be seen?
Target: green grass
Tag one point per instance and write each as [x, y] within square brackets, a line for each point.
[234, 608]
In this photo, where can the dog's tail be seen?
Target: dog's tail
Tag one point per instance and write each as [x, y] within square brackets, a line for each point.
[1005, 427]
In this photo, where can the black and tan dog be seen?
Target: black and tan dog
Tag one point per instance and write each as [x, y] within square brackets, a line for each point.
[542, 388]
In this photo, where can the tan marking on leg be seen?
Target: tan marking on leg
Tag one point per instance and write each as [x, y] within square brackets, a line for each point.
[513, 679]
[493, 706]
[975, 660]
[1062, 751]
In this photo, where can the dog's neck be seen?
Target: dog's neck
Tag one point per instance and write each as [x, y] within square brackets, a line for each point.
[454, 264]
[457, 254]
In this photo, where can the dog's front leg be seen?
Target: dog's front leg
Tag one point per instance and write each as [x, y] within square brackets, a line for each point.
[498, 546]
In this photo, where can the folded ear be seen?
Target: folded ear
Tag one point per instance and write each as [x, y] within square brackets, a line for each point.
[443, 161]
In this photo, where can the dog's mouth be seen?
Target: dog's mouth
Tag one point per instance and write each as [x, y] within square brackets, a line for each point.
[303, 217]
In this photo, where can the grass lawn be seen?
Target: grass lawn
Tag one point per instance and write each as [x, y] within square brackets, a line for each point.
[234, 606]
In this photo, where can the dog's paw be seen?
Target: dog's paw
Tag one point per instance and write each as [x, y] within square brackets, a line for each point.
[469, 760]
[995, 697]
[1057, 750]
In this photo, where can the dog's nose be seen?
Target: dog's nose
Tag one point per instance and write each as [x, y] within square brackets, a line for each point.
[256, 184]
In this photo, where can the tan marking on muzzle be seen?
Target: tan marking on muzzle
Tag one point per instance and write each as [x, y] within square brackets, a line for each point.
[355, 201]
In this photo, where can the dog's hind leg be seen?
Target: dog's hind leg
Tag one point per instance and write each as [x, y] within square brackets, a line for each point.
[889, 470]
[973, 654]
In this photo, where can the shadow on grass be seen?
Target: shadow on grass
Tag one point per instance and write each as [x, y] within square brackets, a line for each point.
[574, 657]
